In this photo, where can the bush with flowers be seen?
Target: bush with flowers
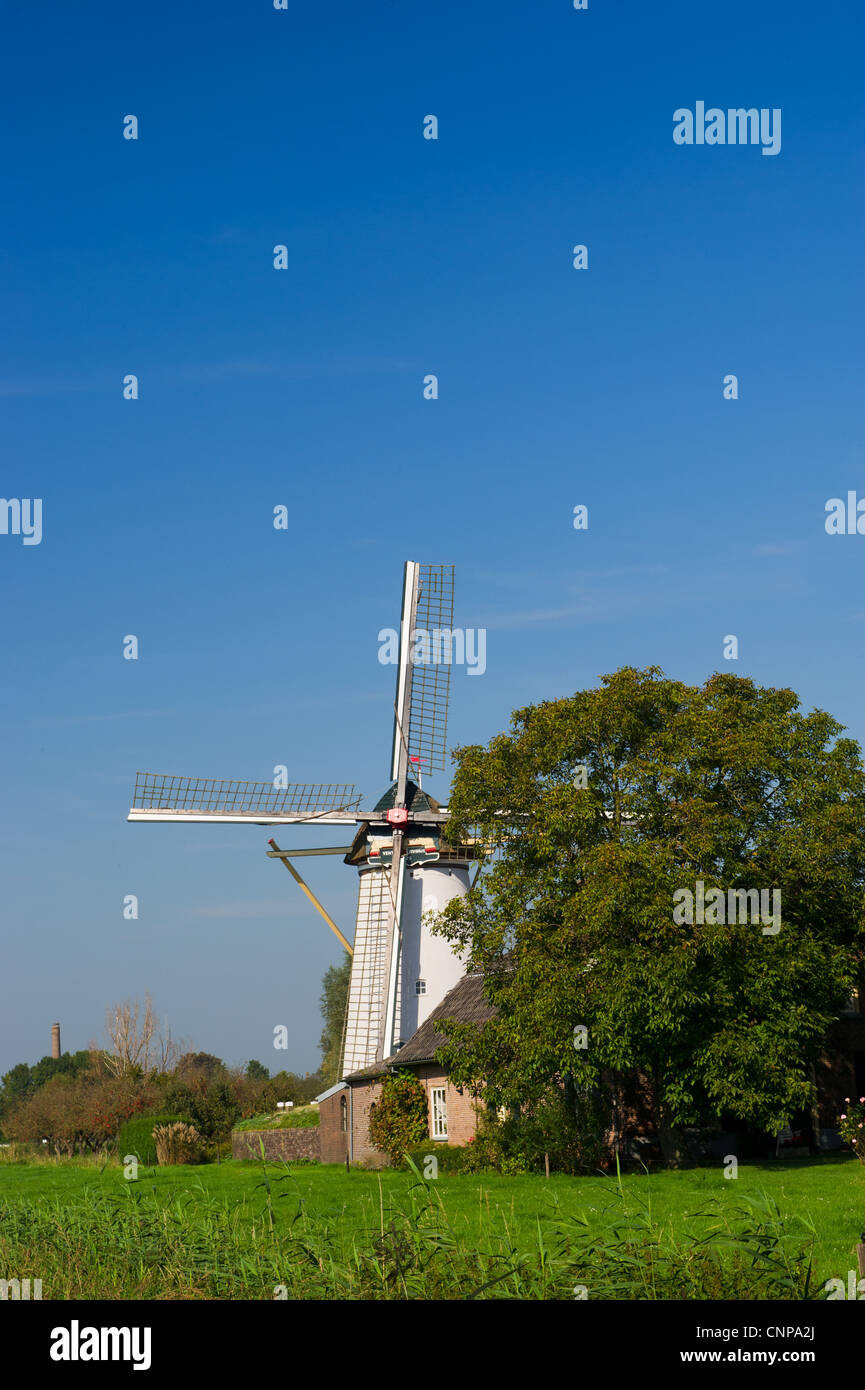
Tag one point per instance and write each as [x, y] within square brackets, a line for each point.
[851, 1126]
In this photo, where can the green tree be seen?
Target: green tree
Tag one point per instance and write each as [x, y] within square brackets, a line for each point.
[215, 1111]
[255, 1071]
[79, 1111]
[614, 799]
[17, 1085]
[334, 999]
[67, 1064]
[398, 1121]
[22, 1081]
[209, 1104]
[200, 1067]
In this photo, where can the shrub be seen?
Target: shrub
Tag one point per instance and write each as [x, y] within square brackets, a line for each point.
[202, 1066]
[567, 1129]
[136, 1137]
[452, 1158]
[398, 1121]
[79, 1112]
[177, 1143]
[209, 1105]
[851, 1126]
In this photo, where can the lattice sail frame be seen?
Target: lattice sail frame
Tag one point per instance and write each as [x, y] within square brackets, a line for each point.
[430, 689]
[212, 796]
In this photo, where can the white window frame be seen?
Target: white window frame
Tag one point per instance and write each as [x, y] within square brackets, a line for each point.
[438, 1097]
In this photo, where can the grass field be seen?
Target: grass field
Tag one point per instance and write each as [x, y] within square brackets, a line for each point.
[243, 1230]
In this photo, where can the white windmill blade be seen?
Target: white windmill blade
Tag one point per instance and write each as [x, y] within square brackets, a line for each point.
[423, 676]
[392, 956]
[405, 673]
[162, 797]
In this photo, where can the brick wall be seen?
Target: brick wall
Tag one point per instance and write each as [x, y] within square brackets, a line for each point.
[365, 1094]
[334, 1139]
[461, 1114]
[841, 1068]
[282, 1144]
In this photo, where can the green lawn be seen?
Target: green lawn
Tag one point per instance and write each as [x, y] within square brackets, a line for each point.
[236, 1230]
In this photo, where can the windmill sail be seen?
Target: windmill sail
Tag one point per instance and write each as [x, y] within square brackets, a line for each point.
[369, 972]
[161, 797]
[423, 680]
[420, 734]
[428, 718]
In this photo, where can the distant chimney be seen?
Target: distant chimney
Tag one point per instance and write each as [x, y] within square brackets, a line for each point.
[55, 1040]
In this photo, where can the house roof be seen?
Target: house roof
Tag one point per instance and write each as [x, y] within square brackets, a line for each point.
[465, 1003]
[331, 1091]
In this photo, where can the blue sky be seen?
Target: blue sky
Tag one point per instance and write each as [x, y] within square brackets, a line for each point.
[303, 387]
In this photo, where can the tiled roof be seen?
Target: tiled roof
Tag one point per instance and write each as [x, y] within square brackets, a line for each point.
[370, 1073]
[465, 1003]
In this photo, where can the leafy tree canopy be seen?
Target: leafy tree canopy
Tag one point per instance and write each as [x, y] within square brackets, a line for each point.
[22, 1080]
[200, 1067]
[613, 799]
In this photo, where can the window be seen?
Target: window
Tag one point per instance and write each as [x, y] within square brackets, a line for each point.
[420, 986]
[438, 1100]
[343, 1114]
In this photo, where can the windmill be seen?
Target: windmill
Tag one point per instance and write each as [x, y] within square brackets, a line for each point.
[399, 970]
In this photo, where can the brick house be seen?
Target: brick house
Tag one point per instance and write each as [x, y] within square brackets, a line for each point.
[344, 1109]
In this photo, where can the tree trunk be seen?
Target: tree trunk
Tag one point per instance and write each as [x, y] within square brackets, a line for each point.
[612, 1082]
[671, 1140]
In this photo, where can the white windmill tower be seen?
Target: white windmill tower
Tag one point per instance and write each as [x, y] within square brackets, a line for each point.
[399, 971]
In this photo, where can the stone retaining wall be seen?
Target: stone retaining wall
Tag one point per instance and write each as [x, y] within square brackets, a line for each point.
[285, 1144]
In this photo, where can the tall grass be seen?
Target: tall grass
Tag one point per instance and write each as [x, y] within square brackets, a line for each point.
[41, 1153]
[142, 1242]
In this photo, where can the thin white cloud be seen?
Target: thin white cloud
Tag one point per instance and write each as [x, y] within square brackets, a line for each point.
[538, 615]
[108, 381]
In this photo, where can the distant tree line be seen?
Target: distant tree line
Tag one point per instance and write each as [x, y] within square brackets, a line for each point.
[80, 1100]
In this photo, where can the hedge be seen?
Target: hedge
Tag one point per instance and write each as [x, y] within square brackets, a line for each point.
[136, 1137]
